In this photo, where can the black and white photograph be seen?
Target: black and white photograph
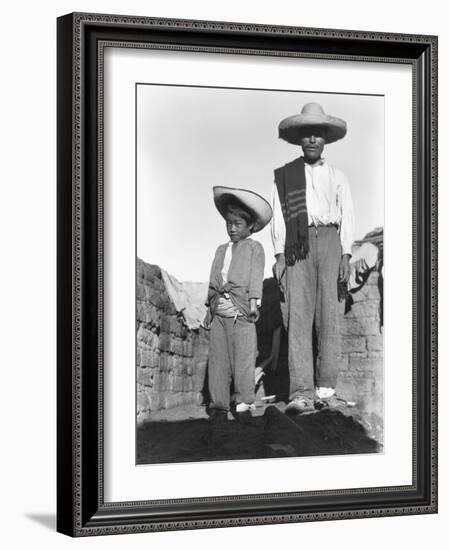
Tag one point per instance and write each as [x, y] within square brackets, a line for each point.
[259, 273]
[221, 287]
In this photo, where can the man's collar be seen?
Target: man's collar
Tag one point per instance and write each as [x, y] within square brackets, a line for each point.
[319, 162]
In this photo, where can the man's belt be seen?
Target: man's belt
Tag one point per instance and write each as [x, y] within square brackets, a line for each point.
[324, 225]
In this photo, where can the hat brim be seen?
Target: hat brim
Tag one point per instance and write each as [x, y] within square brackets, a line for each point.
[293, 128]
[257, 205]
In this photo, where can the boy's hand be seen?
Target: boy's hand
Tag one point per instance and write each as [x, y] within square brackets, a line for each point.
[207, 320]
[253, 314]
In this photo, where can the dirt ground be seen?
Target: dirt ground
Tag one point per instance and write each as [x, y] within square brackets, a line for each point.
[185, 434]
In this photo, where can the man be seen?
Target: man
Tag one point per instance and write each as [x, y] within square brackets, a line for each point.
[312, 232]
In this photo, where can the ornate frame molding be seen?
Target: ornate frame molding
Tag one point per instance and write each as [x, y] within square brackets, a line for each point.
[81, 42]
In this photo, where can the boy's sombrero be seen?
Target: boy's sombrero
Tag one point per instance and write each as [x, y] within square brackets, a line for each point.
[257, 205]
[292, 128]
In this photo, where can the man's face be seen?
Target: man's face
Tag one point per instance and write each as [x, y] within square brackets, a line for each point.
[312, 143]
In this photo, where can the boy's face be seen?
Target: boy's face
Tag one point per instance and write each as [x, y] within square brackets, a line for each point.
[237, 228]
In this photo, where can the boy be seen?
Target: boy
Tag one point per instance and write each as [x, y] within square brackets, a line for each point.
[235, 291]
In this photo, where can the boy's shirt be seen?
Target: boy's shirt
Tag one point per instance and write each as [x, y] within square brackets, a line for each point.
[244, 275]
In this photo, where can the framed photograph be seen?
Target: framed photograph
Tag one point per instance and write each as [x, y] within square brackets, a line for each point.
[247, 274]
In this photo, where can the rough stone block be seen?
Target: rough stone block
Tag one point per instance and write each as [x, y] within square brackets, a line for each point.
[372, 292]
[140, 335]
[155, 341]
[373, 279]
[357, 355]
[176, 345]
[344, 363]
[174, 325]
[175, 400]
[198, 382]
[366, 365]
[164, 341]
[146, 336]
[142, 416]
[149, 315]
[154, 314]
[145, 376]
[177, 383]
[367, 308]
[198, 398]
[187, 348]
[151, 359]
[200, 366]
[155, 401]
[146, 358]
[163, 362]
[140, 312]
[360, 327]
[188, 384]
[140, 291]
[189, 365]
[165, 323]
[169, 362]
[179, 369]
[350, 344]
[143, 403]
[161, 382]
[151, 271]
[375, 343]
[140, 268]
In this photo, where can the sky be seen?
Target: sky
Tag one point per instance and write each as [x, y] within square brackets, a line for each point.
[190, 139]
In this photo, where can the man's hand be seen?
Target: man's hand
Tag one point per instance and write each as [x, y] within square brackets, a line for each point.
[279, 267]
[344, 269]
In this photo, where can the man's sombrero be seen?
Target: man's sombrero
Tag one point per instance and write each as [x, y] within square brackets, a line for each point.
[257, 205]
[293, 128]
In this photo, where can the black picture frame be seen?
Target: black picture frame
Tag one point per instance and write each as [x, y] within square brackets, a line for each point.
[81, 510]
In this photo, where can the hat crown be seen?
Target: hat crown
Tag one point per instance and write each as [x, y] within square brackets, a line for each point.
[312, 109]
[312, 114]
[257, 205]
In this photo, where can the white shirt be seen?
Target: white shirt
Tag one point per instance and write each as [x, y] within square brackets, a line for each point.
[226, 262]
[225, 269]
[328, 199]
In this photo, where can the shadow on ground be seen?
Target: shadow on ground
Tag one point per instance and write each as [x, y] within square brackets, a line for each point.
[46, 520]
[274, 434]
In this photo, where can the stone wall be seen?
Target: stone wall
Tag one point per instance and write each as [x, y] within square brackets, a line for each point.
[171, 359]
[361, 375]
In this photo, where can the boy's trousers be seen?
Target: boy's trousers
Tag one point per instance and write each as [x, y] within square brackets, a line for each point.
[312, 299]
[232, 355]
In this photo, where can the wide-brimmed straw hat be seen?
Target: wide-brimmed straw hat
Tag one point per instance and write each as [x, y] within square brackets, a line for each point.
[254, 203]
[292, 128]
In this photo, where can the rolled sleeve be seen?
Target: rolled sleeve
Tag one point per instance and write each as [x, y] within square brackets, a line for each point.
[347, 218]
[277, 225]
[257, 272]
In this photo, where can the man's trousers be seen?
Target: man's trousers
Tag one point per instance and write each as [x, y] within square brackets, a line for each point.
[311, 296]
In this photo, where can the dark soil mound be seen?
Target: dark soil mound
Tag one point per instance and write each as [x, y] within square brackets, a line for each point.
[272, 435]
